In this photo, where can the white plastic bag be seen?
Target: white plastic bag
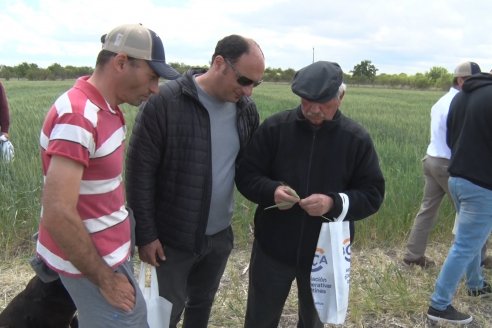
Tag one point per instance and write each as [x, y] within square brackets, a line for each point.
[6, 149]
[158, 308]
[330, 272]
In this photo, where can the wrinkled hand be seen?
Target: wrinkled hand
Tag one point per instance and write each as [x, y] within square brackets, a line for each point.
[119, 292]
[316, 204]
[285, 197]
[152, 253]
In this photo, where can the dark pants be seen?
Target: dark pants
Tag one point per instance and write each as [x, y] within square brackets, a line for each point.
[269, 286]
[190, 280]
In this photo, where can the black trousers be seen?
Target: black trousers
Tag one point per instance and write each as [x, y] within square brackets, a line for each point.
[269, 286]
[190, 281]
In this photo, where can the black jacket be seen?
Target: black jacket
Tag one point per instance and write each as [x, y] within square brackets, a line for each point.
[337, 157]
[469, 131]
[168, 168]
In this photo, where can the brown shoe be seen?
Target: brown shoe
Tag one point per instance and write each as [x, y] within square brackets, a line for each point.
[487, 262]
[423, 262]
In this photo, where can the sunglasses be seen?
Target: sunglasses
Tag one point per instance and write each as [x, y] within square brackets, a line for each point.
[241, 79]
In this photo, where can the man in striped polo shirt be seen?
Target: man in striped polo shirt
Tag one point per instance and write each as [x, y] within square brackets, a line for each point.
[84, 231]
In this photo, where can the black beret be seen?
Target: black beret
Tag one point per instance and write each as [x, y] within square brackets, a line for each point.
[318, 82]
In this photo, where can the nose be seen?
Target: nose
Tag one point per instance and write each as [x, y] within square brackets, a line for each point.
[154, 86]
[247, 90]
[314, 108]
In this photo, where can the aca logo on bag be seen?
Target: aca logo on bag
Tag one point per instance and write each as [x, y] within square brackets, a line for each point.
[346, 249]
[319, 260]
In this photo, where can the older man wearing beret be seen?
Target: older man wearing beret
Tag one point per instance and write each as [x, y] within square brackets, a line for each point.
[298, 163]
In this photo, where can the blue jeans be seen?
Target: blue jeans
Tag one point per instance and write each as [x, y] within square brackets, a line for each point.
[474, 207]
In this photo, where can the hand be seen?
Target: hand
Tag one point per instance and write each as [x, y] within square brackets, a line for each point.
[285, 197]
[119, 292]
[316, 204]
[152, 253]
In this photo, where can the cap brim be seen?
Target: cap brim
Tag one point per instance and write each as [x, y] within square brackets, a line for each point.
[164, 70]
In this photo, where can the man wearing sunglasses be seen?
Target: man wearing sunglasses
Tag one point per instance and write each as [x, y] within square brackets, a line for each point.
[180, 173]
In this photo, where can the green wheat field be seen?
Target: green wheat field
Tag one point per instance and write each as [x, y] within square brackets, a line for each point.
[384, 293]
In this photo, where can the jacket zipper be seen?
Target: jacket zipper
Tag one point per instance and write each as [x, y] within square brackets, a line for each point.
[303, 223]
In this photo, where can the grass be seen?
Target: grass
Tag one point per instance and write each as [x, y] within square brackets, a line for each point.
[383, 292]
[20, 182]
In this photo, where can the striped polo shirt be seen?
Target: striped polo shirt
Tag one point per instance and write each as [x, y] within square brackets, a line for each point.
[83, 127]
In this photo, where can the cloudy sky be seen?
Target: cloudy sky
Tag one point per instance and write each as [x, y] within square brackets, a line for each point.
[404, 36]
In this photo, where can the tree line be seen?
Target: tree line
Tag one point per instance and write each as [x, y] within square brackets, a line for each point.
[364, 73]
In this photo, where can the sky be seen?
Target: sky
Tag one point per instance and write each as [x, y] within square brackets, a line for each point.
[403, 36]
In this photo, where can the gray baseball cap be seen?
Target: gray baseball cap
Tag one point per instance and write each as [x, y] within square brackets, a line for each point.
[466, 69]
[142, 43]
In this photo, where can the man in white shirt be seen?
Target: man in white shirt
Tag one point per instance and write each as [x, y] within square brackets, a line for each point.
[435, 166]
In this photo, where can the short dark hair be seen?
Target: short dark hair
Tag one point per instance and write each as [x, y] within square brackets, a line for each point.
[105, 56]
[232, 47]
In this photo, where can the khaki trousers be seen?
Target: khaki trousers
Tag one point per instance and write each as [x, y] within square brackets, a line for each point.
[436, 186]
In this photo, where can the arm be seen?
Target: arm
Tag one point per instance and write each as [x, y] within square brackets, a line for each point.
[62, 221]
[356, 173]
[455, 119]
[252, 174]
[142, 165]
[4, 113]
[366, 187]
[253, 181]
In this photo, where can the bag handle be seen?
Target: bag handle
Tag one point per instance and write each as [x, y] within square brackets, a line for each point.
[345, 203]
